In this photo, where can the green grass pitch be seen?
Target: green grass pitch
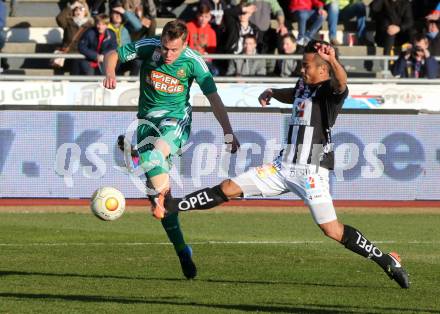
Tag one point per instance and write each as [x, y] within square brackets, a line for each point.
[247, 262]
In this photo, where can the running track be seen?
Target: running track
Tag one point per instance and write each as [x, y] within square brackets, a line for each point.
[247, 203]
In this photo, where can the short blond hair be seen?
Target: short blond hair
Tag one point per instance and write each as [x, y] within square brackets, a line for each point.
[102, 17]
[175, 29]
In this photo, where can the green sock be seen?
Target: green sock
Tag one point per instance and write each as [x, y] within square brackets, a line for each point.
[172, 227]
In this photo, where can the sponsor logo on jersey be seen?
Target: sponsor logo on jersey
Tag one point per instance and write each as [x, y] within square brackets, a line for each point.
[310, 183]
[296, 171]
[266, 170]
[302, 90]
[298, 112]
[181, 73]
[156, 55]
[306, 91]
[164, 83]
[299, 109]
[314, 196]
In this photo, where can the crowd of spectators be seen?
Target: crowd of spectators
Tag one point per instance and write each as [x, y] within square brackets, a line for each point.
[75, 19]
[247, 67]
[405, 28]
[287, 67]
[202, 36]
[94, 44]
[4, 65]
[416, 60]
[342, 11]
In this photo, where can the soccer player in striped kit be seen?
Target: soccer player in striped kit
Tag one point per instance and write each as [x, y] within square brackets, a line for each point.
[303, 165]
[168, 69]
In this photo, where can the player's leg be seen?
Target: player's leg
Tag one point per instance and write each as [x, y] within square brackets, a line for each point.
[155, 159]
[156, 166]
[262, 180]
[158, 141]
[314, 189]
[356, 242]
[131, 155]
[158, 179]
[205, 198]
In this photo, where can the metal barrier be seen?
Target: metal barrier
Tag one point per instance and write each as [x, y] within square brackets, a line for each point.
[218, 79]
[207, 56]
[217, 56]
[385, 59]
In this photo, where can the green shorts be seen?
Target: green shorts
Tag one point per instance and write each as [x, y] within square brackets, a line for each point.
[171, 130]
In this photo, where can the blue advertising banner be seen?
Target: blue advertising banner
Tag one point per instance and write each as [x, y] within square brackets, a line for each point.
[72, 153]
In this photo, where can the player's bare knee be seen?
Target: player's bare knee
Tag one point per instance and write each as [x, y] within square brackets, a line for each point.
[334, 230]
[163, 147]
[230, 189]
[332, 234]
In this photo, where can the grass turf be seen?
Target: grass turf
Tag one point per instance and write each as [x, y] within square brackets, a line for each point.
[75, 263]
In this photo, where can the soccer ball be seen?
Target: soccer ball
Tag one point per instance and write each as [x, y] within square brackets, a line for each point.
[107, 203]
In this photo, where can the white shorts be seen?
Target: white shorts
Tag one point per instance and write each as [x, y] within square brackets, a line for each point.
[303, 180]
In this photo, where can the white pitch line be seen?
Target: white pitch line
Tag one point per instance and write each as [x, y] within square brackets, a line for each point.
[200, 243]
[157, 243]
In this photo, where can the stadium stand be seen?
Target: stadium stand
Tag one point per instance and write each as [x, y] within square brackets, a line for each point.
[34, 30]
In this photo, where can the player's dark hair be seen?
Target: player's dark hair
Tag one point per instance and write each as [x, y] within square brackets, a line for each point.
[175, 29]
[311, 48]
[250, 36]
[203, 8]
[419, 37]
[290, 36]
[433, 21]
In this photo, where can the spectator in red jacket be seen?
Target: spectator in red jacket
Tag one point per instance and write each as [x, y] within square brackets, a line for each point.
[201, 36]
[307, 12]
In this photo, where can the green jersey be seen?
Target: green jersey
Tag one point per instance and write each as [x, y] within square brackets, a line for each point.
[164, 88]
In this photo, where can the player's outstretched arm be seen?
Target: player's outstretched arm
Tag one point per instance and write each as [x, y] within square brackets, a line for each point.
[284, 95]
[218, 108]
[110, 62]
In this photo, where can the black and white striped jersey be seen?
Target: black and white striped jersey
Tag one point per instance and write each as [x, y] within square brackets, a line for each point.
[314, 112]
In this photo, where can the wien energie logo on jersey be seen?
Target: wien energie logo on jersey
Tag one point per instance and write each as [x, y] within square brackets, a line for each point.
[164, 83]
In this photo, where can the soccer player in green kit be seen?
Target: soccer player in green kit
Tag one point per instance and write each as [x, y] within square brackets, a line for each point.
[168, 69]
